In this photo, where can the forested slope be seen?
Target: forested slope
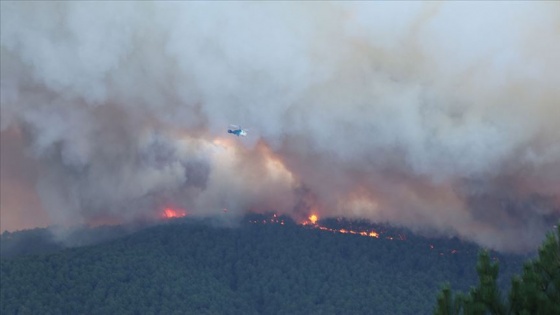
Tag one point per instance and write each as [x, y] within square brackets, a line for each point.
[189, 267]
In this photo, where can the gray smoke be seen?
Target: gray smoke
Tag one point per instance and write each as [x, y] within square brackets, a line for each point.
[435, 116]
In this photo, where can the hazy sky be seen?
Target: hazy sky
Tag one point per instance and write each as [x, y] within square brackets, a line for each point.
[441, 117]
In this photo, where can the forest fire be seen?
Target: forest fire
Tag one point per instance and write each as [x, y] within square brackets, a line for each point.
[347, 231]
[274, 220]
[313, 220]
[171, 213]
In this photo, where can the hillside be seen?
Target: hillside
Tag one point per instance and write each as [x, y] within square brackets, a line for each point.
[190, 266]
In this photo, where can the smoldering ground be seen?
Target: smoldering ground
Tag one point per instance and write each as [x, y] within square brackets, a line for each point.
[435, 116]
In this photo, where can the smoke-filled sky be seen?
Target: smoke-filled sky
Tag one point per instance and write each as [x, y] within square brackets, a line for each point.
[441, 117]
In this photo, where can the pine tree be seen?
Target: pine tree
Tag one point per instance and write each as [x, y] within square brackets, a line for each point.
[446, 304]
[487, 295]
[536, 292]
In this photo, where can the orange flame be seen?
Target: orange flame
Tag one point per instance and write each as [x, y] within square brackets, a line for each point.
[344, 231]
[170, 213]
[313, 218]
[312, 222]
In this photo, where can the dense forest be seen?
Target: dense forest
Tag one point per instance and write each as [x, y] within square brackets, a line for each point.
[262, 266]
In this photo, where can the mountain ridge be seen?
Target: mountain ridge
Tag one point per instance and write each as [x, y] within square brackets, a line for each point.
[188, 265]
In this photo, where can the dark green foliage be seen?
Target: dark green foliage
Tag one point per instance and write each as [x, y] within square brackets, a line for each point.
[536, 292]
[538, 289]
[192, 268]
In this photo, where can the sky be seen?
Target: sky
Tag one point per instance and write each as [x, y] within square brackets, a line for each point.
[441, 117]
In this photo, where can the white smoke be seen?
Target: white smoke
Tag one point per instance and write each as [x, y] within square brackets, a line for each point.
[436, 116]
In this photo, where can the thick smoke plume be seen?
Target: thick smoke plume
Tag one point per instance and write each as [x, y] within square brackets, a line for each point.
[436, 116]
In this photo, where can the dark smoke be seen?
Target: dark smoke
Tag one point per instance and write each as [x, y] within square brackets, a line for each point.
[435, 116]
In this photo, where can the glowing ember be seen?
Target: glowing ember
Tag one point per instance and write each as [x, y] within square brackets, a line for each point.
[313, 222]
[170, 213]
[342, 231]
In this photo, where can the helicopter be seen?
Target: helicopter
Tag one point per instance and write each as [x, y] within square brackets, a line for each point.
[237, 130]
